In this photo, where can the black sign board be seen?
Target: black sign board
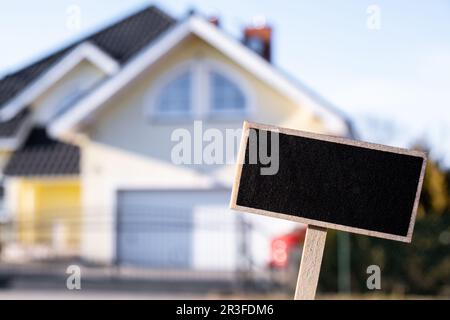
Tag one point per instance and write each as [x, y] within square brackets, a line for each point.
[328, 182]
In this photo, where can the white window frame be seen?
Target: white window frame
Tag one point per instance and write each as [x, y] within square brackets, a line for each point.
[201, 90]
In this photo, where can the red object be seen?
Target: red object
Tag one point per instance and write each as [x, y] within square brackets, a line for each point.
[282, 246]
[259, 39]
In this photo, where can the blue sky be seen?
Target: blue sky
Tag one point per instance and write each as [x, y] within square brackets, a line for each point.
[399, 72]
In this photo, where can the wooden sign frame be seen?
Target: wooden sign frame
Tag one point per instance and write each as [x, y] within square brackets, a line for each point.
[241, 158]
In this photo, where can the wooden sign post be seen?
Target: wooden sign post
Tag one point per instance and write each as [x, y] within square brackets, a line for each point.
[308, 275]
[327, 182]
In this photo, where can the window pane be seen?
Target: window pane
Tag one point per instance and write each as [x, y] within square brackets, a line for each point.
[225, 94]
[176, 96]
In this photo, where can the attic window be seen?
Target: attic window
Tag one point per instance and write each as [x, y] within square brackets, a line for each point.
[225, 94]
[200, 88]
[175, 96]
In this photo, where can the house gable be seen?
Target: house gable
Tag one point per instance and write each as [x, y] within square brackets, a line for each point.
[64, 91]
[214, 37]
[131, 137]
[42, 84]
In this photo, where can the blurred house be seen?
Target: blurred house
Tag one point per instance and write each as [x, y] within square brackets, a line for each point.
[86, 139]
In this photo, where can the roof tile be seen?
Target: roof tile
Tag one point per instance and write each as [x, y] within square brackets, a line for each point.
[42, 156]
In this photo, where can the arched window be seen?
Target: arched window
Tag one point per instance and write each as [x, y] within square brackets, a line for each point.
[175, 96]
[225, 94]
[200, 88]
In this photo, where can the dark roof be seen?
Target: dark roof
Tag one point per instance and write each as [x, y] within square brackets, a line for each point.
[9, 128]
[42, 156]
[121, 41]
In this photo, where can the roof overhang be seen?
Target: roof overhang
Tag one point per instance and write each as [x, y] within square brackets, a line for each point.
[69, 122]
[85, 51]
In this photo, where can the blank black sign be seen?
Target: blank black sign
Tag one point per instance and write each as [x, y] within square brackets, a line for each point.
[345, 186]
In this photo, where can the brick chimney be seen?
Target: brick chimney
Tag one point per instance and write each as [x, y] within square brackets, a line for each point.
[258, 37]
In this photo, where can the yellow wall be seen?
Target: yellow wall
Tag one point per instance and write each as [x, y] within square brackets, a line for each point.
[48, 212]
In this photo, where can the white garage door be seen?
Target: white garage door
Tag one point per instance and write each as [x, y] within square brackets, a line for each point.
[176, 229]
